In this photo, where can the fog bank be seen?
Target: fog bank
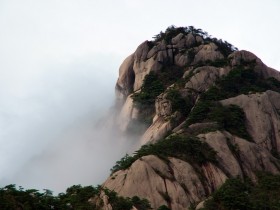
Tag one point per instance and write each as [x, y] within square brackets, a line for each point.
[49, 133]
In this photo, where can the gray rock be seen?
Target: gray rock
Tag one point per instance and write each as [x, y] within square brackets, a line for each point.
[177, 39]
[240, 57]
[181, 60]
[262, 117]
[126, 78]
[208, 52]
[142, 52]
[204, 77]
[190, 40]
[199, 39]
[150, 177]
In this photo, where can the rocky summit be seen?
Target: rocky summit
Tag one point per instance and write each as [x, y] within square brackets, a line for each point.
[208, 113]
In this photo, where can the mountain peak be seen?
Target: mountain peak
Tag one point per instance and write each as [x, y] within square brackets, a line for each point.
[196, 90]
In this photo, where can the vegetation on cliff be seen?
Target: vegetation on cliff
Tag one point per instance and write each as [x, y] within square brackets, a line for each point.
[172, 31]
[190, 149]
[240, 80]
[236, 193]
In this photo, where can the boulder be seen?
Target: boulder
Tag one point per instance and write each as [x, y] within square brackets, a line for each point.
[245, 57]
[156, 180]
[208, 52]
[142, 52]
[126, 78]
[205, 76]
[162, 121]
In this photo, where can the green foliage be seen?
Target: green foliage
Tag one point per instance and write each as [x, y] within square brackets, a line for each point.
[118, 203]
[199, 112]
[153, 85]
[191, 54]
[273, 83]
[121, 203]
[218, 63]
[234, 194]
[185, 148]
[165, 196]
[140, 204]
[123, 163]
[170, 74]
[163, 207]
[169, 33]
[224, 47]
[266, 195]
[240, 81]
[76, 197]
[178, 103]
[230, 118]
[172, 31]
[238, 194]
[150, 89]
[192, 206]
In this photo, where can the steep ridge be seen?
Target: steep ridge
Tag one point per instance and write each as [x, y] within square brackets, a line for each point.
[210, 113]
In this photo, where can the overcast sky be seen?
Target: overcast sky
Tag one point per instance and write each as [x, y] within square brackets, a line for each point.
[59, 63]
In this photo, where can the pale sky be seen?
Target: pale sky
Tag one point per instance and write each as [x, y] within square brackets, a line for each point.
[59, 63]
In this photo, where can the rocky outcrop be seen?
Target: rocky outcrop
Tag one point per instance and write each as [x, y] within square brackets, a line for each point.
[262, 117]
[178, 183]
[174, 184]
[134, 69]
[126, 78]
[208, 52]
[105, 201]
[205, 76]
[146, 59]
[243, 57]
[161, 121]
[152, 56]
[239, 157]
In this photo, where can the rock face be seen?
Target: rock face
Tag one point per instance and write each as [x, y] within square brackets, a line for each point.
[204, 77]
[177, 184]
[208, 52]
[152, 176]
[202, 64]
[262, 114]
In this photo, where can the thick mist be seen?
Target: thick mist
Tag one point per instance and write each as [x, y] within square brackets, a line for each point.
[57, 131]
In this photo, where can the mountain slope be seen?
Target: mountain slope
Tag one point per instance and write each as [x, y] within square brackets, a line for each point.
[195, 92]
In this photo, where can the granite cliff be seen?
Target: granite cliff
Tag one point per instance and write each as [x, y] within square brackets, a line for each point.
[198, 95]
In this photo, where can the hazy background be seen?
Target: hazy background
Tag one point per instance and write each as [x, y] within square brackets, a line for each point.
[59, 63]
